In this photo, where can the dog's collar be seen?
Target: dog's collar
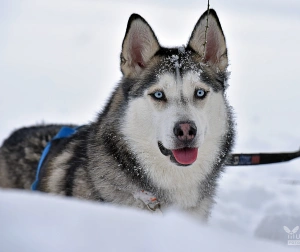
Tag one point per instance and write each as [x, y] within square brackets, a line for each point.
[63, 133]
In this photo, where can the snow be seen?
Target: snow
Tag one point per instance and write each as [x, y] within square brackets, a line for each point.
[33, 221]
[59, 62]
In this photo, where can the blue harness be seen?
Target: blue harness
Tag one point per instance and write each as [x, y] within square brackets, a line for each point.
[63, 133]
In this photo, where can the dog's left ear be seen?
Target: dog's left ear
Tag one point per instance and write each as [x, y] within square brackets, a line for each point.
[208, 40]
[139, 45]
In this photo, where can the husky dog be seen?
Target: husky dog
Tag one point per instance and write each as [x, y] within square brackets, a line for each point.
[162, 138]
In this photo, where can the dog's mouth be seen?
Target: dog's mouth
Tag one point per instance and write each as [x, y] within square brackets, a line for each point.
[183, 156]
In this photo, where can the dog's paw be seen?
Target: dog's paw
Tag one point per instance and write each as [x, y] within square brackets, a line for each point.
[149, 200]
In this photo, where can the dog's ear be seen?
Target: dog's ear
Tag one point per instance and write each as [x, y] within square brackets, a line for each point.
[139, 45]
[208, 40]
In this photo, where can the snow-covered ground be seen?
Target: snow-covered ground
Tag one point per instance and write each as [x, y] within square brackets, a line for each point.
[59, 62]
[33, 222]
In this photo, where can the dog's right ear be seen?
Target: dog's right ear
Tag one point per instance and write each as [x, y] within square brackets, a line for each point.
[208, 40]
[139, 45]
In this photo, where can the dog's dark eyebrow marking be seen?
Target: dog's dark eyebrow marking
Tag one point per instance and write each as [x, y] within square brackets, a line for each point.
[136, 87]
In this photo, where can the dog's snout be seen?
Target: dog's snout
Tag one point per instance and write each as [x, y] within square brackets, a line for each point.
[185, 131]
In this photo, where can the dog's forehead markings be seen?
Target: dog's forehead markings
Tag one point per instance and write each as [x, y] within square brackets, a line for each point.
[179, 63]
[177, 66]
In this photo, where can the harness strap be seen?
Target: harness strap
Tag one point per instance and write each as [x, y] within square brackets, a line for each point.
[63, 133]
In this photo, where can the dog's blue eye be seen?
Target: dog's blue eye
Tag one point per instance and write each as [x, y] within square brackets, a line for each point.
[200, 93]
[158, 95]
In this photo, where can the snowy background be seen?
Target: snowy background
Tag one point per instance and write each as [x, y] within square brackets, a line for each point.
[59, 61]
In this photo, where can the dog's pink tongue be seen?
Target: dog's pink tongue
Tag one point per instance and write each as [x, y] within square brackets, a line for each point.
[185, 155]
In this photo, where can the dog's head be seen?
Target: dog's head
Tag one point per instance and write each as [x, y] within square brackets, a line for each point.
[176, 110]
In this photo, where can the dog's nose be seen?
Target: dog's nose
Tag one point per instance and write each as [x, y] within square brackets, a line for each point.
[185, 131]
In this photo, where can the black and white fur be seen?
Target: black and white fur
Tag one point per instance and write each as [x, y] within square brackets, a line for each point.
[127, 150]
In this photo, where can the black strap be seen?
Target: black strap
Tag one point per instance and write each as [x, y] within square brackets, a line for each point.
[260, 158]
